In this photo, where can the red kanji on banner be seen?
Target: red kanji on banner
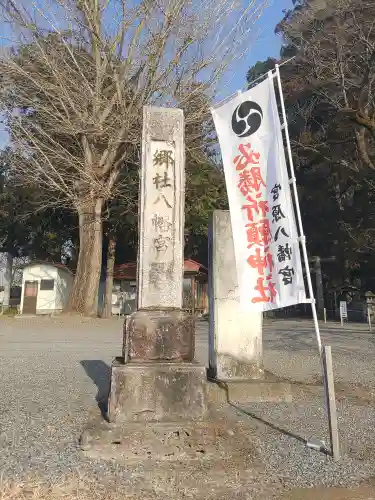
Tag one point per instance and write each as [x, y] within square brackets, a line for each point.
[267, 291]
[261, 262]
[247, 157]
[259, 233]
[250, 180]
[260, 206]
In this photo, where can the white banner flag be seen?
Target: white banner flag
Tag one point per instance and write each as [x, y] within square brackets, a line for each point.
[265, 236]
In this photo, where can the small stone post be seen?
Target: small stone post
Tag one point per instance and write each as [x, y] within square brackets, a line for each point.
[156, 378]
[235, 337]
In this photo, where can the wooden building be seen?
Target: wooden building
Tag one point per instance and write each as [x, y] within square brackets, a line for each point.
[195, 291]
[45, 288]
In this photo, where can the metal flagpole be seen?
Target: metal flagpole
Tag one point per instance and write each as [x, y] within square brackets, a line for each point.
[325, 353]
[226, 99]
[298, 211]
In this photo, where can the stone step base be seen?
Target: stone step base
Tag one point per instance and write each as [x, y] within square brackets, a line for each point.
[248, 391]
[172, 441]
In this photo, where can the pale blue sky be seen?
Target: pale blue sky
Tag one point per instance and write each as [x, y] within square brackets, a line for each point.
[266, 45]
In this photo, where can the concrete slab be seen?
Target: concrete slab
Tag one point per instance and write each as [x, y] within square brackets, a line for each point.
[249, 391]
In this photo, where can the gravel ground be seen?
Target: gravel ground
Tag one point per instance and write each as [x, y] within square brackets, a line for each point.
[290, 350]
[282, 429]
[52, 372]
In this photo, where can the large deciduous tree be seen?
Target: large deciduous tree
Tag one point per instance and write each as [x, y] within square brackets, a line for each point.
[330, 100]
[73, 85]
[329, 88]
[332, 78]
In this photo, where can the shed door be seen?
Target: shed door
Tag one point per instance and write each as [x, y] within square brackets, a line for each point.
[30, 297]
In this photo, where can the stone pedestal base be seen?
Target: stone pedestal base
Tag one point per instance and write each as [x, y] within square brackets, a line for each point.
[159, 392]
[213, 440]
[159, 335]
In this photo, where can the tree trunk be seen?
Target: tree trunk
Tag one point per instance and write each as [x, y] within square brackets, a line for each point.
[7, 280]
[77, 296]
[84, 296]
[107, 311]
[95, 263]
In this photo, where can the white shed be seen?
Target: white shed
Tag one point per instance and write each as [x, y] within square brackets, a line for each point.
[45, 288]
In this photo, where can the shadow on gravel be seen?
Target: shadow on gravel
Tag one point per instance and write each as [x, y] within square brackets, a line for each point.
[100, 374]
[274, 427]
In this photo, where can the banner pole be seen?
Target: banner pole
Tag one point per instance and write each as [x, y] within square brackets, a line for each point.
[326, 361]
[298, 211]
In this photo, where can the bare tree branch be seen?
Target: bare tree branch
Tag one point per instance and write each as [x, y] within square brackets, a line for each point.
[74, 85]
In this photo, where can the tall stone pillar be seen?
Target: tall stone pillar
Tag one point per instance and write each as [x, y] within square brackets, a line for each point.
[235, 337]
[156, 378]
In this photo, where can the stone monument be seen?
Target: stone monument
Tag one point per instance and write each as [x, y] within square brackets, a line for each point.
[156, 378]
[235, 336]
[160, 405]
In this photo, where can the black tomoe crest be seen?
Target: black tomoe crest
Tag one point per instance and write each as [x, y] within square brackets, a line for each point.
[247, 118]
